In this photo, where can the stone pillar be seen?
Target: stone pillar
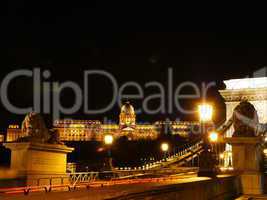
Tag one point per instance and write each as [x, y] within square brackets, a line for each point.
[253, 90]
[38, 163]
[247, 162]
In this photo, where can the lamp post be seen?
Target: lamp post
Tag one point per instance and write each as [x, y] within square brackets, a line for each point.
[108, 140]
[165, 148]
[221, 164]
[205, 112]
[213, 139]
[207, 161]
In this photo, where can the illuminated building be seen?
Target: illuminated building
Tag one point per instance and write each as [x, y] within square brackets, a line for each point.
[2, 138]
[88, 130]
[77, 130]
[181, 128]
[127, 116]
[13, 133]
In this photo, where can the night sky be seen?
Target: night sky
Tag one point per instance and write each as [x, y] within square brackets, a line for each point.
[70, 38]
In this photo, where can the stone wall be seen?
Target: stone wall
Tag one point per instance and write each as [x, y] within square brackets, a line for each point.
[222, 188]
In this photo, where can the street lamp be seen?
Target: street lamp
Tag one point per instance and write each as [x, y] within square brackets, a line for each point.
[108, 140]
[165, 147]
[205, 112]
[213, 136]
[207, 161]
[221, 159]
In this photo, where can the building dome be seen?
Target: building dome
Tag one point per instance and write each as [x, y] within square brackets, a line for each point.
[127, 109]
[127, 115]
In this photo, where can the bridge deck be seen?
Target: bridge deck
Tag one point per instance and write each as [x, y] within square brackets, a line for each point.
[127, 191]
[100, 193]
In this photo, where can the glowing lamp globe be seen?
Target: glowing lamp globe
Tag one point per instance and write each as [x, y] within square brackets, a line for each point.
[108, 139]
[213, 137]
[205, 112]
[164, 147]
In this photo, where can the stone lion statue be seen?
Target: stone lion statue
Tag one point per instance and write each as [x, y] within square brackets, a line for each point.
[245, 119]
[34, 127]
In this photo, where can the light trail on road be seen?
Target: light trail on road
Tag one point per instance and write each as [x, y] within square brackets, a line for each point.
[109, 189]
[95, 184]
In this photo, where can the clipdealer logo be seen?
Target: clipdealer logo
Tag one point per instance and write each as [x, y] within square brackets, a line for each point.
[46, 94]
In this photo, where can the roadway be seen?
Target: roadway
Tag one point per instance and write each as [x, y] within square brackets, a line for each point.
[106, 192]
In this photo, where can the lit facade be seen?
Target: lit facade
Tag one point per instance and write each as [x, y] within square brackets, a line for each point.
[88, 130]
[13, 133]
[254, 90]
[2, 138]
[78, 130]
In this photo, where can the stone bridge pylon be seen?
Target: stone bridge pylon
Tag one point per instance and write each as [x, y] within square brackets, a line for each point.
[39, 158]
[253, 90]
[246, 105]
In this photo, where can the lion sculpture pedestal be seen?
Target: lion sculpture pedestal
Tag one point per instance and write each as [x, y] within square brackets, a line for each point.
[39, 158]
[247, 148]
[247, 160]
[39, 164]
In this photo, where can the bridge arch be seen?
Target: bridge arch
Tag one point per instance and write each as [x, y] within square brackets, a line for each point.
[254, 90]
